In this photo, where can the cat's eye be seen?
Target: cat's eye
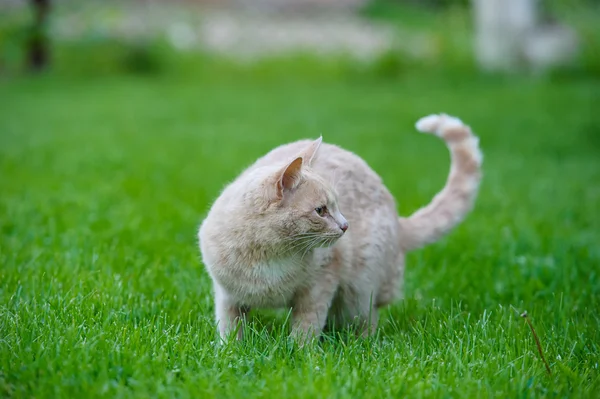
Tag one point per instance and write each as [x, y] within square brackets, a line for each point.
[321, 211]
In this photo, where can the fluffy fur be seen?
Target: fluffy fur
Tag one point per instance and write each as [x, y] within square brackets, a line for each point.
[310, 226]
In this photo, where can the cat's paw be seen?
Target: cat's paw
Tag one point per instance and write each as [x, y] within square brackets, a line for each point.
[438, 124]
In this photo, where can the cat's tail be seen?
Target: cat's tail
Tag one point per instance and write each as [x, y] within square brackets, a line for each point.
[450, 206]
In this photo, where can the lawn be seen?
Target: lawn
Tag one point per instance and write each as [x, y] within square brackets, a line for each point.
[105, 179]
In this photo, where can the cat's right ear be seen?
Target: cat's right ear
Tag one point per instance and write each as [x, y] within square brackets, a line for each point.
[289, 177]
[310, 153]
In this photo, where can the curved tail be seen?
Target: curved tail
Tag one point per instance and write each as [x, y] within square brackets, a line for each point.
[450, 206]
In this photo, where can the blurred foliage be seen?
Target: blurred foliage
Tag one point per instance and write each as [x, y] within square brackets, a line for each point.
[14, 32]
[451, 28]
[464, 3]
[585, 21]
[105, 55]
[446, 31]
[426, 3]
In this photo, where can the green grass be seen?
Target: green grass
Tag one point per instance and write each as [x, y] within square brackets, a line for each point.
[104, 179]
[104, 182]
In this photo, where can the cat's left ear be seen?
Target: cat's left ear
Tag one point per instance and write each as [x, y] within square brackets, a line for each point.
[289, 177]
[310, 153]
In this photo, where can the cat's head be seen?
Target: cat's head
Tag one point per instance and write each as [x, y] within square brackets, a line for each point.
[283, 209]
[300, 205]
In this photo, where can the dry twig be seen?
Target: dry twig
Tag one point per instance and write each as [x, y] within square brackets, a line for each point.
[537, 341]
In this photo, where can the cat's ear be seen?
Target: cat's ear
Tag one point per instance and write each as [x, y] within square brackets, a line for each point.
[310, 153]
[289, 177]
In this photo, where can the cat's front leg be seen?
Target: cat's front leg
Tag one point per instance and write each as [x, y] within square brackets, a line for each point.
[311, 306]
[230, 316]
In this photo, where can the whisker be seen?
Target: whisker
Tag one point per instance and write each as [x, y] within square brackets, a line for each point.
[302, 243]
[309, 246]
[312, 245]
[296, 243]
[302, 235]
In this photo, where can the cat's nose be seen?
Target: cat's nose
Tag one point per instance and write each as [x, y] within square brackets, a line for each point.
[344, 226]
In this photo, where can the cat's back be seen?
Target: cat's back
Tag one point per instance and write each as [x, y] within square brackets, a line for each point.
[329, 156]
[354, 180]
[282, 154]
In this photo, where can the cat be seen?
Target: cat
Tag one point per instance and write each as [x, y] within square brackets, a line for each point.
[311, 227]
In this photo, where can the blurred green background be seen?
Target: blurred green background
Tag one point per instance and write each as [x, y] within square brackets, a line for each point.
[112, 149]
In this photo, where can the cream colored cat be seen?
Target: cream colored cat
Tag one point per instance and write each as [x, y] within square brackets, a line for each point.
[310, 226]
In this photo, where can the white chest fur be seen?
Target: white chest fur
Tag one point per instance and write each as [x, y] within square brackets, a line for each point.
[271, 284]
[276, 282]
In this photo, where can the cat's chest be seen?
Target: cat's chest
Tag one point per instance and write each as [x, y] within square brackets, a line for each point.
[273, 283]
[279, 271]
[270, 283]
